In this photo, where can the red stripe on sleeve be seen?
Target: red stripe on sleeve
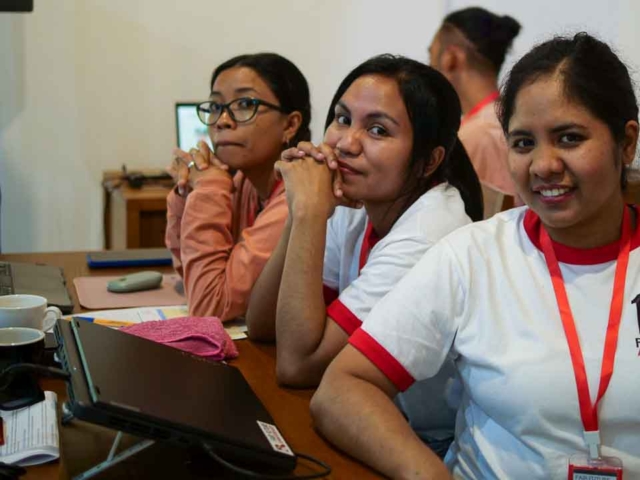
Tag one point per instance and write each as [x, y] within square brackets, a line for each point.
[343, 316]
[329, 294]
[382, 359]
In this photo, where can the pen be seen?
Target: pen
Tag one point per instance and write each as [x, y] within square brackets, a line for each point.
[105, 322]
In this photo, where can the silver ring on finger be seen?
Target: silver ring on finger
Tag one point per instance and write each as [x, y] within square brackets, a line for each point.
[191, 164]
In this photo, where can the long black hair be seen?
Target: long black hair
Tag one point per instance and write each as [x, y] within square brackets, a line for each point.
[285, 80]
[434, 111]
[592, 75]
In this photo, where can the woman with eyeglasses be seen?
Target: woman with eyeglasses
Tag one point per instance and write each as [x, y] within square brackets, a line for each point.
[227, 211]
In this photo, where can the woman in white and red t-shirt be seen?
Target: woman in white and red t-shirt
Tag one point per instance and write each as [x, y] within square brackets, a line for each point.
[391, 137]
[511, 298]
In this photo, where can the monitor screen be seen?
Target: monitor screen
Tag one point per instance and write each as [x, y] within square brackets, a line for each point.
[190, 130]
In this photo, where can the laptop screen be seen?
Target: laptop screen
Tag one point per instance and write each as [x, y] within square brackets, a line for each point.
[189, 129]
[33, 279]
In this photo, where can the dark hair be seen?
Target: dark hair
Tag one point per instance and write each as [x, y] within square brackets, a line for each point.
[434, 110]
[284, 79]
[490, 34]
[592, 76]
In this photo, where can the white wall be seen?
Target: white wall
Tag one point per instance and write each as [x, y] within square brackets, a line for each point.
[45, 182]
[86, 85]
[90, 84]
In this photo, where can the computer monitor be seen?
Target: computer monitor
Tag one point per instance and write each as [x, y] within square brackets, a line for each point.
[189, 129]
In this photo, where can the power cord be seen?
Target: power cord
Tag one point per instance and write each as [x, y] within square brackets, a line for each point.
[250, 473]
[6, 376]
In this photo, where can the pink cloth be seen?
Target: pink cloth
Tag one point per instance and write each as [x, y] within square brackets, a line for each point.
[202, 336]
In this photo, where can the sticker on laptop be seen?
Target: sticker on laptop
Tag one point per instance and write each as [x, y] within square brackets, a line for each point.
[274, 437]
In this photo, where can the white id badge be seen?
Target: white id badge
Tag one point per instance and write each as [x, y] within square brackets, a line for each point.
[582, 467]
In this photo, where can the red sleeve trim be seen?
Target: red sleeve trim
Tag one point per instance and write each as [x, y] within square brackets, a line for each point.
[343, 317]
[329, 294]
[382, 359]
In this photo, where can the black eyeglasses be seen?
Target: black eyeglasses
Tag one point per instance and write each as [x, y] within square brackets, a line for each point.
[240, 110]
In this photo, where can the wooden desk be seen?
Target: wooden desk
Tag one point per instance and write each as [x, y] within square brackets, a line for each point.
[84, 445]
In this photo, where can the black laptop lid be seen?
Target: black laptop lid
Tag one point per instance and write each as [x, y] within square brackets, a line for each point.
[36, 279]
[147, 381]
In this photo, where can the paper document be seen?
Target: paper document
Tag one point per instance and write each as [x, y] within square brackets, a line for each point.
[138, 315]
[31, 433]
[236, 328]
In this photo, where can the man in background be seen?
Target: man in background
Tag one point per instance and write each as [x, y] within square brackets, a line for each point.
[469, 49]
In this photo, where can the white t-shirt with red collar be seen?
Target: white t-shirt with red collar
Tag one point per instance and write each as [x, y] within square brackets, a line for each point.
[484, 296]
[360, 277]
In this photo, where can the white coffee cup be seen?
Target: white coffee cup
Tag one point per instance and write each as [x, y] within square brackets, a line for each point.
[27, 311]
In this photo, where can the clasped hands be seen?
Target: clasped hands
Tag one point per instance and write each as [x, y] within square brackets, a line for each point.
[313, 181]
[187, 168]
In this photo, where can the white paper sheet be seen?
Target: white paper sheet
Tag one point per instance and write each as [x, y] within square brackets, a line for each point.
[31, 433]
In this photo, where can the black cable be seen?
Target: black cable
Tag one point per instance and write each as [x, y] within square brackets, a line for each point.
[252, 474]
[6, 376]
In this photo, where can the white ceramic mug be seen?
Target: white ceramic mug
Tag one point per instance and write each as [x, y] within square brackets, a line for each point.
[27, 311]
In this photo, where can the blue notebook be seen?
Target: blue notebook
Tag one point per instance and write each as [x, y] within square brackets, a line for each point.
[141, 257]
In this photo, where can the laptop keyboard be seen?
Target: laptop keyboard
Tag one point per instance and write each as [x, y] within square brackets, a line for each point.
[6, 279]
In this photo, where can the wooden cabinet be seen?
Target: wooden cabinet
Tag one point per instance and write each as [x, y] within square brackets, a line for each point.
[134, 217]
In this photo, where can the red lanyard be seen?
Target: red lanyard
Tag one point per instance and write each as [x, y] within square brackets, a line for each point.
[589, 412]
[368, 242]
[480, 105]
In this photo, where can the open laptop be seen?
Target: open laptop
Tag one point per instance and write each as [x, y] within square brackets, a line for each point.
[189, 129]
[35, 279]
[154, 391]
